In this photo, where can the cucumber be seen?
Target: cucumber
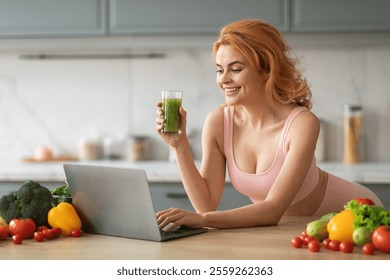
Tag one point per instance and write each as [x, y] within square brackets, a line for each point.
[328, 216]
[317, 228]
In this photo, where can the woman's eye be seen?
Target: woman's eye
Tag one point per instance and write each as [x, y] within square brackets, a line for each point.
[237, 70]
[219, 71]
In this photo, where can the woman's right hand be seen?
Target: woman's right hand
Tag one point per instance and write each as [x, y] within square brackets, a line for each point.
[172, 139]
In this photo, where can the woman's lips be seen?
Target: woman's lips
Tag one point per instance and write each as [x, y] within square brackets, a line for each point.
[231, 90]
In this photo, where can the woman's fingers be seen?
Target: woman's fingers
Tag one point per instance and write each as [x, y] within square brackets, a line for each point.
[169, 219]
[160, 119]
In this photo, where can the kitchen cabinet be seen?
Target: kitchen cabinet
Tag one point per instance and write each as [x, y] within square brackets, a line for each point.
[340, 15]
[111, 18]
[44, 18]
[166, 195]
[382, 191]
[8, 187]
[201, 16]
[57, 18]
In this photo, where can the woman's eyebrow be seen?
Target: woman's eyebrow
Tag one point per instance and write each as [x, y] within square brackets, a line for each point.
[231, 63]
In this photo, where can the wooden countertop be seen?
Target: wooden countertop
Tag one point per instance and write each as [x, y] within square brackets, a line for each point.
[268, 243]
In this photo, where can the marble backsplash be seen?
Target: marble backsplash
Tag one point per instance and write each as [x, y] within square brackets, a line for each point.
[60, 102]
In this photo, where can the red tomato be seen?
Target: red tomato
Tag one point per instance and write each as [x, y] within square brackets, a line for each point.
[41, 228]
[48, 233]
[381, 238]
[346, 247]
[303, 237]
[297, 242]
[56, 232]
[17, 239]
[368, 249]
[24, 227]
[77, 233]
[51, 233]
[325, 243]
[334, 245]
[314, 246]
[309, 238]
[3, 232]
[364, 201]
[39, 236]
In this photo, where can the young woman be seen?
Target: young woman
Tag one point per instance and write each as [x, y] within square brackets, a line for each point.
[265, 134]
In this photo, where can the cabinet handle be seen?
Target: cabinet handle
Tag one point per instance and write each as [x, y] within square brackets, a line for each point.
[176, 195]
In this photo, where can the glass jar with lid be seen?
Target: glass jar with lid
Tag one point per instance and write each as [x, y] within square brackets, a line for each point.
[137, 148]
[353, 117]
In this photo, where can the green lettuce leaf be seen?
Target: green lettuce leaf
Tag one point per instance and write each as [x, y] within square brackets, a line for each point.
[368, 216]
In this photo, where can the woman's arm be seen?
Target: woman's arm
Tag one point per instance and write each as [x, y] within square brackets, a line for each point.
[204, 189]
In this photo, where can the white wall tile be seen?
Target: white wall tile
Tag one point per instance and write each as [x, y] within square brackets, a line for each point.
[58, 102]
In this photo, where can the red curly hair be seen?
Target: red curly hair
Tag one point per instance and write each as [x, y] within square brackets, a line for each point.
[266, 50]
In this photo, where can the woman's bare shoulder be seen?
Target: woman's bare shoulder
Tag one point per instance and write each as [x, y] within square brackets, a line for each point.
[305, 123]
[213, 126]
[308, 117]
[215, 117]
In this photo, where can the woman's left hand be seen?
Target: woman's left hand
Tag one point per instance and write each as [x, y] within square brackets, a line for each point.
[172, 218]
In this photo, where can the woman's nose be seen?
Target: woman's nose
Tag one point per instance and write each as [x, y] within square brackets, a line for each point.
[224, 78]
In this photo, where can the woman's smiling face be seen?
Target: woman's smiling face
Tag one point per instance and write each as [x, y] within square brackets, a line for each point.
[239, 82]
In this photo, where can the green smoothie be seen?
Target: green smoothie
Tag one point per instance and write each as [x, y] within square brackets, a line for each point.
[171, 107]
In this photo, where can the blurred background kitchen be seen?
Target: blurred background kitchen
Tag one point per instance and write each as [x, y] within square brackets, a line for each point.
[83, 72]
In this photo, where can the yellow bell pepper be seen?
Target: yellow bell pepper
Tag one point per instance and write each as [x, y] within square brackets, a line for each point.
[340, 227]
[65, 217]
[3, 222]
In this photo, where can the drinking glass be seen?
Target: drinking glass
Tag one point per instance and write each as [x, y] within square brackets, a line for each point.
[171, 102]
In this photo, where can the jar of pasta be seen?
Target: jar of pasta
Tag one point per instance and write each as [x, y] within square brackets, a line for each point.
[353, 117]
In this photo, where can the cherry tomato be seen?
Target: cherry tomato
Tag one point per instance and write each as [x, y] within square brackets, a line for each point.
[334, 245]
[297, 242]
[39, 236]
[362, 201]
[41, 228]
[314, 246]
[308, 239]
[346, 247]
[325, 243]
[368, 249]
[24, 227]
[3, 232]
[17, 239]
[56, 232]
[47, 233]
[77, 233]
[52, 233]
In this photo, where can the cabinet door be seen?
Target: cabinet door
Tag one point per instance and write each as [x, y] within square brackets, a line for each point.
[24, 18]
[6, 187]
[191, 17]
[166, 195]
[340, 15]
[382, 191]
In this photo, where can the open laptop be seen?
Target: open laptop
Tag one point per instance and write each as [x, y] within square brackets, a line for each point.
[117, 201]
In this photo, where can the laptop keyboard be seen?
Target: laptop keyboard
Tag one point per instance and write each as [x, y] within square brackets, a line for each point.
[172, 232]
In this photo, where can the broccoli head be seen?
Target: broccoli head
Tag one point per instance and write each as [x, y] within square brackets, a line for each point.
[9, 207]
[34, 201]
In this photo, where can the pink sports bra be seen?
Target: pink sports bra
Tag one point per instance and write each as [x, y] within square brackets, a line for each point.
[257, 186]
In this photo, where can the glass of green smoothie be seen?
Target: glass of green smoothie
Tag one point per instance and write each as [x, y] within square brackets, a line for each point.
[171, 102]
